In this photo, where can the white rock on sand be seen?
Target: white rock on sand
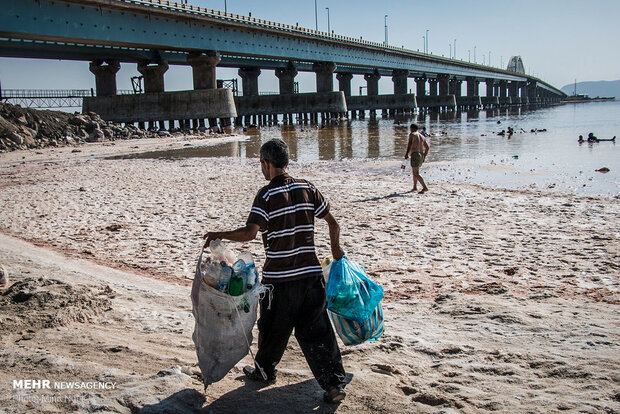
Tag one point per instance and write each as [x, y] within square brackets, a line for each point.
[495, 300]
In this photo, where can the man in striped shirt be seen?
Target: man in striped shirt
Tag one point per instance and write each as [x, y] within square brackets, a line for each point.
[284, 211]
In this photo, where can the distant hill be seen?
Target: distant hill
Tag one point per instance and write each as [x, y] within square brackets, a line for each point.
[595, 88]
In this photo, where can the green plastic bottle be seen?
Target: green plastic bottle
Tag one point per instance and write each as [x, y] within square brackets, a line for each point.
[235, 286]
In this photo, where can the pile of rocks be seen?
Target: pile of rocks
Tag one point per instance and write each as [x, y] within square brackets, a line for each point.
[23, 128]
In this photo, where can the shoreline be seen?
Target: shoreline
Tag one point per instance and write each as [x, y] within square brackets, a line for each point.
[120, 147]
[501, 174]
[495, 299]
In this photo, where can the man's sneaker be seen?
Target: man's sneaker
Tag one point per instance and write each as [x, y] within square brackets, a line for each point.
[334, 395]
[255, 375]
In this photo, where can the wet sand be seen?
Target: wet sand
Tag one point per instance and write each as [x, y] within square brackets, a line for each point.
[495, 299]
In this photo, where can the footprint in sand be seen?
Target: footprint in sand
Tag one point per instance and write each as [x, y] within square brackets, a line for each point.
[385, 369]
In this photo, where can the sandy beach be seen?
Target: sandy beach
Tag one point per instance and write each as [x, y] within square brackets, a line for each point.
[495, 299]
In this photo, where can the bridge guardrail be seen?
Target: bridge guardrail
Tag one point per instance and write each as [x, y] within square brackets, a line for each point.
[218, 14]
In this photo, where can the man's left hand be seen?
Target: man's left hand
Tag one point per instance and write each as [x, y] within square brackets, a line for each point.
[337, 253]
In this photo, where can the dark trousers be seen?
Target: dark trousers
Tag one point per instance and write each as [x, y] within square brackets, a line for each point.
[300, 304]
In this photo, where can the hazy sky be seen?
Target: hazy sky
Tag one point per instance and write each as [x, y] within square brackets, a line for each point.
[559, 40]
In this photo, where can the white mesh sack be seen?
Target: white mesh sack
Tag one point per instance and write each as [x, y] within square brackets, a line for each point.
[223, 329]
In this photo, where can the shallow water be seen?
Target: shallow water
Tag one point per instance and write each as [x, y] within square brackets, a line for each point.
[465, 144]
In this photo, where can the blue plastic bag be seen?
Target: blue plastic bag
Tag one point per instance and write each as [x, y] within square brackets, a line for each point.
[350, 293]
[352, 332]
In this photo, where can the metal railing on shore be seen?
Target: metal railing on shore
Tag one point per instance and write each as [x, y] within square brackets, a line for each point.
[45, 93]
[50, 98]
[45, 98]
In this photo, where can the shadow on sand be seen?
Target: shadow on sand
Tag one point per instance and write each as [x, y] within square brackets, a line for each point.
[385, 197]
[303, 397]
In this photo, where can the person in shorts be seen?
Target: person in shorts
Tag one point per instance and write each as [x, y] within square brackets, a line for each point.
[417, 149]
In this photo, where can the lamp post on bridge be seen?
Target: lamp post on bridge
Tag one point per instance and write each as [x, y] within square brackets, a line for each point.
[450, 50]
[469, 55]
[475, 54]
[386, 31]
[454, 51]
[423, 43]
[426, 40]
[329, 30]
[490, 58]
[225, 8]
[316, 17]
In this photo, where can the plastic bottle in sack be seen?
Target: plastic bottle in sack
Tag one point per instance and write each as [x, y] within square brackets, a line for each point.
[402, 168]
[250, 270]
[326, 264]
[221, 252]
[225, 274]
[236, 284]
[216, 250]
[204, 262]
[211, 275]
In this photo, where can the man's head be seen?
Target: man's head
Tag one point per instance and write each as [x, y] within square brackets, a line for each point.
[273, 155]
[414, 127]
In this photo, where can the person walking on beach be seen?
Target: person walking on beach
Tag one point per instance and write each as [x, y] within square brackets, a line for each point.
[417, 149]
[284, 211]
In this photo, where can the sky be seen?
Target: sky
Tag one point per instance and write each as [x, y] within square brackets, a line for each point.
[560, 41]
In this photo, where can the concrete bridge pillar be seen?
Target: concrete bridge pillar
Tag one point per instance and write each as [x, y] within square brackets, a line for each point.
[531, 90]
[344, 82]
[472, 86]
[324, 76]
[513, 90]
[153, 75]
[203, 69]
[249, 80]
[503, 89]
[372, 83]
[432, 87]
[105, 76]
[524, 89]
[458, 86]
[286, 77]
[204, 74]
[444, 83]
[420, 89]
[452, 85]
[490, 87]
[399, 78]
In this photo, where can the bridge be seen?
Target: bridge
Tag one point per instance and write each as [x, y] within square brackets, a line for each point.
[157, 33]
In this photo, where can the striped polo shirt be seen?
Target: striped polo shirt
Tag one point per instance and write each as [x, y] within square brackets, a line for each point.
[285, 210]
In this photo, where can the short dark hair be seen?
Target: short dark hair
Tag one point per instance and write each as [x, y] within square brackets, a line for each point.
[275, 151]
[414, 127]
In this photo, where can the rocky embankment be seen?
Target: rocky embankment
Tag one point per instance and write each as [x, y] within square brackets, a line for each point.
[24, 128]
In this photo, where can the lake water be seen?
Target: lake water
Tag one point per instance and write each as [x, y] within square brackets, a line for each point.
[465, 145]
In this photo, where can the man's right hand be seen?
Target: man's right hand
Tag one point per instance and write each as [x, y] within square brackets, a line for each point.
[210, 236]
